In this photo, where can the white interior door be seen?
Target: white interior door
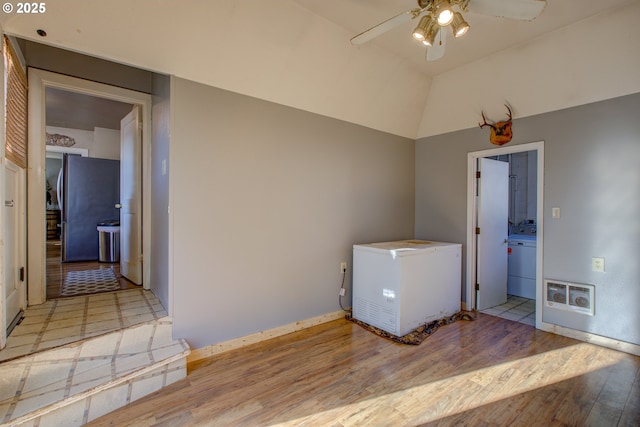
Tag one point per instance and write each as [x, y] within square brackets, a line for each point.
[493, 221]
[130, 196]
[11, 219]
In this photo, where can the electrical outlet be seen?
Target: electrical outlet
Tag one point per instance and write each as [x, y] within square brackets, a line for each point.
[343, 267]
[342, 291]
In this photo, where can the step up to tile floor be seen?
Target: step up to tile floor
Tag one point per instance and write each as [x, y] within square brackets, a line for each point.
[76, 383]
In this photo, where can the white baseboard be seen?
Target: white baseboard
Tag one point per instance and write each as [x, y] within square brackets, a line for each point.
[235, 343]
[591, 338]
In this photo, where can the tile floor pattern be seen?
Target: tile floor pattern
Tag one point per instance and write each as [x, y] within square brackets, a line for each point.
[69, 383]
[61, 321]
[519, 309]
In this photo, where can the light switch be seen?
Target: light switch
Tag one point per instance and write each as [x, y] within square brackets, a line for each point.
[597, 264]
[555, 213]
[164, 166]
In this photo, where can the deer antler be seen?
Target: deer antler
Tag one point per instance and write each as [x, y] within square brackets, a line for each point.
[501, 132]
[485, 122]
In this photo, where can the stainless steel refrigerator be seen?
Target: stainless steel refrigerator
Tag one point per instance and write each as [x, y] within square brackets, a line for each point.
[88, 190]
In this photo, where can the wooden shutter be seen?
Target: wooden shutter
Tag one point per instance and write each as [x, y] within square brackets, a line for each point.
[16, 124]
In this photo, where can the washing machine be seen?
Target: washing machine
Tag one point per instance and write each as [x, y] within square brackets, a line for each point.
[521, 279]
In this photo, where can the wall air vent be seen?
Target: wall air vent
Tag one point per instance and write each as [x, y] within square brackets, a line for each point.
[568, 296]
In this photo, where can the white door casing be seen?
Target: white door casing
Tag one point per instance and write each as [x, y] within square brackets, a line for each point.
[493, 221]
[472, 165]
[39, 80]
[130, 197]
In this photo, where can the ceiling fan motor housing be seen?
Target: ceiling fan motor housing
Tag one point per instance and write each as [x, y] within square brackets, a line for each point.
[429, 3]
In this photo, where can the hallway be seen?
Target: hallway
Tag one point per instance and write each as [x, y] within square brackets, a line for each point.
[57, 271]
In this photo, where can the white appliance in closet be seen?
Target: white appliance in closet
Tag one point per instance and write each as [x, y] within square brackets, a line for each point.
[400, 285]
[521, 280]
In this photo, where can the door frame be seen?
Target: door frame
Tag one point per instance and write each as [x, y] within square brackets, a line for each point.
[472, 167]
[39, 80]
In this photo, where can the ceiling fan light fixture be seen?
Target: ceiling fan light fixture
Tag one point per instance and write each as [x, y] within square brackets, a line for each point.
[421, 30]
[443, 12]
[459, 25]
[431, 34]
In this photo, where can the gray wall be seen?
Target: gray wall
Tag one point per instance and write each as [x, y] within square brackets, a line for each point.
[159, 256]
[592, 173]
[85, 67]
[267, 201]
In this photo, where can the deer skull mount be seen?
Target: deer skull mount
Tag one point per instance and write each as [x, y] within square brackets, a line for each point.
[501, 132]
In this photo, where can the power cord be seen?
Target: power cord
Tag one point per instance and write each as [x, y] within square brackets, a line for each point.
[342, 292]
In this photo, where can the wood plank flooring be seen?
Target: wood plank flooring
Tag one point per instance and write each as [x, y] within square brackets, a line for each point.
[490, 371]
[57, 270]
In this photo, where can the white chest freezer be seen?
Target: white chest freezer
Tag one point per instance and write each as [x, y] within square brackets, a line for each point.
[398, 286]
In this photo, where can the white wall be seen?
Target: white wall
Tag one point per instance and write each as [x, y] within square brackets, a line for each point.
[274, 50]
[589, 61]
[106, 143]
[102, 143]
[266, 201]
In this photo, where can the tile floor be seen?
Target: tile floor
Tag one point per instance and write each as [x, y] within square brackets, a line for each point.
[131, 353]
[520, 309]
[61, 321]
[125, 364]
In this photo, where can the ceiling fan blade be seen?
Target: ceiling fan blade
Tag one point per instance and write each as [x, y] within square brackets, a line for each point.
[524, 10]
[385, 26]
[436, 51]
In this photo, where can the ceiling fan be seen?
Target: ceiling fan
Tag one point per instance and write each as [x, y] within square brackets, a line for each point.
[436, 15]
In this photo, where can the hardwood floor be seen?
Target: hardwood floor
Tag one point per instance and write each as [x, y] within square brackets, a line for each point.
[57, 270]
[490, 371]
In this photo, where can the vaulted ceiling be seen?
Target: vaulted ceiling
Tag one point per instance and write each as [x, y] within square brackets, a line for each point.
[486, 36]
[294, 52]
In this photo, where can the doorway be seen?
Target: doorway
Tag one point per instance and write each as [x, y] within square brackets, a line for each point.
[477, 264]
[83, 157]
[66, 275]
[39, 82]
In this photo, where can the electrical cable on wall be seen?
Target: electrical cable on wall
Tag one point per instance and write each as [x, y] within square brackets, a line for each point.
[342, 292]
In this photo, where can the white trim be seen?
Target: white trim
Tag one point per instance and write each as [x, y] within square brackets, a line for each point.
[54, 149]
[471, 218]
[212, 350]
[590, 338]
[39, 80]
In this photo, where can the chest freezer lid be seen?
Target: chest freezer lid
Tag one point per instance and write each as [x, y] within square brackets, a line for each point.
[404, 247]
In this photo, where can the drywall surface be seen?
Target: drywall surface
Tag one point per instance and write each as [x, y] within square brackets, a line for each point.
[591, 173]
[102, 143]
[278, 51]
[160, 122]
[592, 60]
[76, 64]
[266, 201]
